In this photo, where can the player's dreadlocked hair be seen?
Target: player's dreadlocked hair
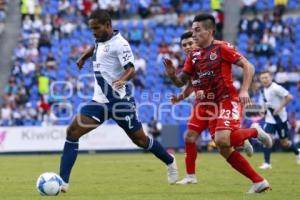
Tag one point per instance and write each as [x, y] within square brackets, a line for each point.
[101, 15]
[186, 35]
[207, 19]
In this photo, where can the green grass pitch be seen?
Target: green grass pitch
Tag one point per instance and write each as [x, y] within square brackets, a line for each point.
[140, 176]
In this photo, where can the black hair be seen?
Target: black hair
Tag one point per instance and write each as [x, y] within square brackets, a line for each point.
[208, 20]
[101, 15]
[186, 35]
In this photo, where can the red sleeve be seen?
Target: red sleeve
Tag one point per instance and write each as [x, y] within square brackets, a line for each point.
[229, 53]
[188, 67]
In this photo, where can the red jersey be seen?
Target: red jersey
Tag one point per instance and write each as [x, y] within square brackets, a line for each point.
[210, 71]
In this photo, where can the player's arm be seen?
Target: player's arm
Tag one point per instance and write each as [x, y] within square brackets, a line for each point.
[248, 72]
[185, 93]
[125, 77]
[178, 81]
[287, 98]
[80, 62]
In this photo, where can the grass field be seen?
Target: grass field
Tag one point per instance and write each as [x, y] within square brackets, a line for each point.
[142, 177]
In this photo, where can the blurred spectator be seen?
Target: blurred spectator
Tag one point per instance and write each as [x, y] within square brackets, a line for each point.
[249, 5]
[148, 35]
[63, 5]
[155, 7]
[43, 107]
[140, 65]
[171, 17]
[44, 41]
[176, 5]
[216, 5]
[28, 66]
[2, 15]
[28, 8]
[135, 35]
[244, 25]
[12, 87]
[51, 61]
[6, 115]
[143, 8]
[219, 18]
[280, 6]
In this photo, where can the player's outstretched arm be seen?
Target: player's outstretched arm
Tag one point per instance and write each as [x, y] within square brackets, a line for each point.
[248, 72]
[185, 93]
[126, 76]
[178, 81]
[80, 62]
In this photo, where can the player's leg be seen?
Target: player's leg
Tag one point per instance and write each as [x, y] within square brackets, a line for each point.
[125, 116]
[270, 129]
[90, 117]
[287, 144]
[190, 139]
[196, 125]
[240, 164]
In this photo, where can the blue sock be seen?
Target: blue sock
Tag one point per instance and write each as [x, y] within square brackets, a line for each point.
[68, 158]
[293, 148]
[267, 155]
[156, 148]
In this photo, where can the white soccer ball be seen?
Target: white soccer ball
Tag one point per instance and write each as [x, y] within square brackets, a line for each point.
[48, 184]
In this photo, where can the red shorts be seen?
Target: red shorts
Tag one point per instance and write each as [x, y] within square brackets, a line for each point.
[198, 120]
[228, 117]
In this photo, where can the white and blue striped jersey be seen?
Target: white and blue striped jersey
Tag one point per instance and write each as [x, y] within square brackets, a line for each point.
[109, 61]
[274, 95]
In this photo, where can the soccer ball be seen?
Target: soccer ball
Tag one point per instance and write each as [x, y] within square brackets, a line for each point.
[48, 184]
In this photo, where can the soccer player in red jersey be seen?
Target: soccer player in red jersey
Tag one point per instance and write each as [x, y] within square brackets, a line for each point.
[209, 69]
[195, 125]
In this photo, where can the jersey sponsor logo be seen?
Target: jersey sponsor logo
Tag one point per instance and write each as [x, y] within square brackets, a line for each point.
[204, 74]
[226, 123]
[196, 82]
[213, 56]
[126, 57]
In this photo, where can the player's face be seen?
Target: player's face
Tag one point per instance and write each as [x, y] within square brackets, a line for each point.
[201, 35]
[100, 31]
[265, 79]
[188, 45]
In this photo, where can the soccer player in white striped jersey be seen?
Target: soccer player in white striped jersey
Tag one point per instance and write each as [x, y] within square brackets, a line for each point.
[275, 98]
[113, 66]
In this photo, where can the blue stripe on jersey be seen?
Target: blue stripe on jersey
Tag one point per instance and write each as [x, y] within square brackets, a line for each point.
[107, 90]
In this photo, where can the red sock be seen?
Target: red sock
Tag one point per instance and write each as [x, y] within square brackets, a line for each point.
[238, 162]
[238, 136]
[190, 157]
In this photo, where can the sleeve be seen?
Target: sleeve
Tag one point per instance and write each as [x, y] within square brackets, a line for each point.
[281, 91]
[188, 66]
[229, 53]
[125, 55]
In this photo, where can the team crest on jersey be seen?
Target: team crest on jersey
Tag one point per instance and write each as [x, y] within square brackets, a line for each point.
[106, 48]
[213, 56]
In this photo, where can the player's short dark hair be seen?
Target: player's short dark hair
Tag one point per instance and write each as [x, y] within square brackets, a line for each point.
[186, 35]
[101, 15]
[265, 72]
[208, 20]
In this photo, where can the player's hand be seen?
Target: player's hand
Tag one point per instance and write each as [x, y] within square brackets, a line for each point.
[80, 63]
[244, 97]
[200, 95]
[169, 67]
[174, 99]
[277, 111]
[118, 84]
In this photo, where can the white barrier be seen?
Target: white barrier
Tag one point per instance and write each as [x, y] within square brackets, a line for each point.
[52, 138]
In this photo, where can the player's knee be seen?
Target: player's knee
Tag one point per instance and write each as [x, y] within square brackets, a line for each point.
[141, 142]
[190, 137]
[222, 141]
[72, 133]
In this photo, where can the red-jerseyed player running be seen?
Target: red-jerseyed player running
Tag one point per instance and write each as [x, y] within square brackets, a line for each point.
[195, 125]
[209, 69]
